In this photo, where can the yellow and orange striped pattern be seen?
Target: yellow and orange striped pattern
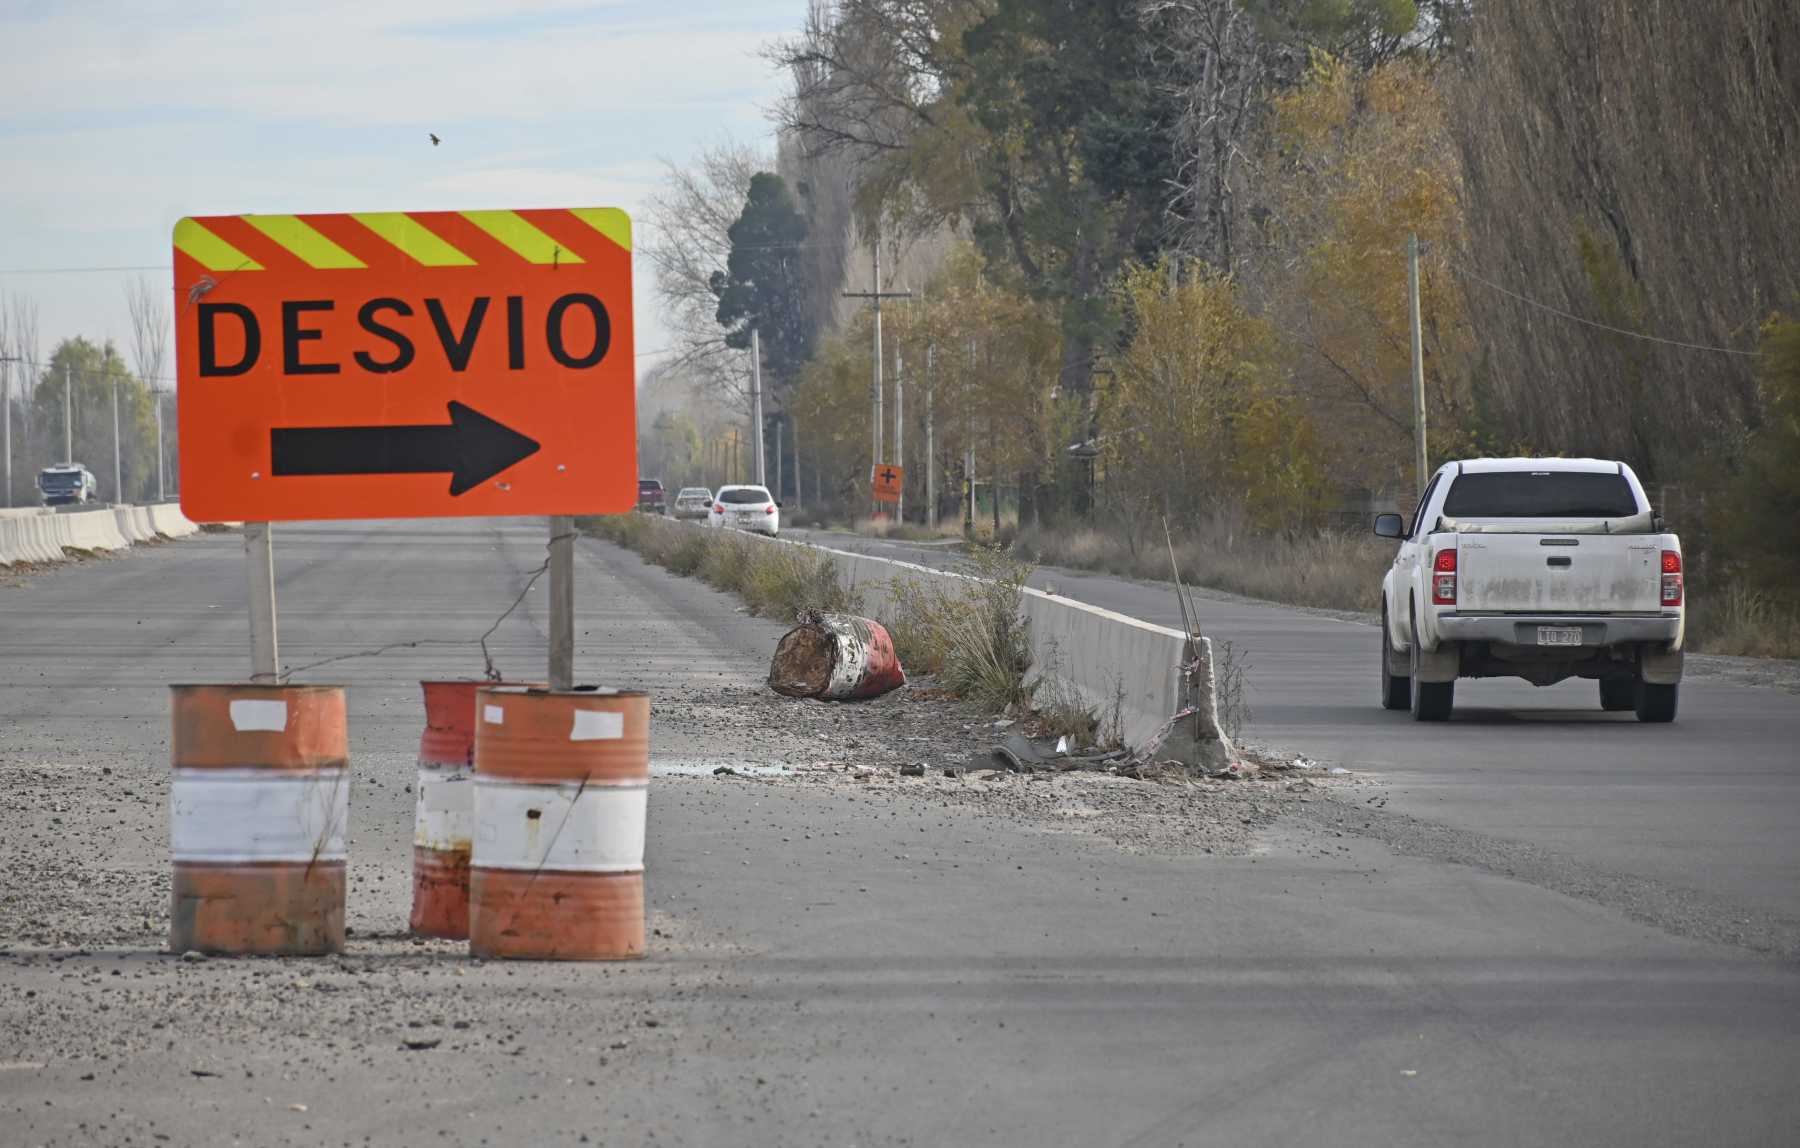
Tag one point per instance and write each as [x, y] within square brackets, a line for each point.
[422, 239]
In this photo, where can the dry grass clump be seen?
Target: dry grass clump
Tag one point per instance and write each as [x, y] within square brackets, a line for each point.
[1323, 568]
[773, 579]
[968, 631]
[907, 531]
[1743, 621]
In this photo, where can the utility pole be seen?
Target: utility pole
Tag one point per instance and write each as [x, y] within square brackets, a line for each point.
[969, 489]
[1418, 358]
[900, 434]
[118, 483]
[756, 422]
[799, 475]
[6, 402]
[161, 496]
[877, 294]
[68, 426]
[930, 447]
[778, 469]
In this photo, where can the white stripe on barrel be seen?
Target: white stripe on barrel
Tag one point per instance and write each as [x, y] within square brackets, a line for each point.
[596, 828]
[259, 815]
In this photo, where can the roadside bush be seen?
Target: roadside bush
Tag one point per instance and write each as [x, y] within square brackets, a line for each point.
[969, 630]
[774, 580]
[1327, 568]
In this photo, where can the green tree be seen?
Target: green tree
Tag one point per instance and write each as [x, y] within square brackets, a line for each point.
[90, 374]
[762, 287]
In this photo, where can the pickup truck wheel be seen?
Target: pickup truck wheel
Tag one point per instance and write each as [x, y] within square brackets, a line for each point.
[1431, 701]
[1655, 703]
[1617, 694]
[1396, 689]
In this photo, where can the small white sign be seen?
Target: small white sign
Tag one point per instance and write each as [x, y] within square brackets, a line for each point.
[248, 714]
[493, 715]
[597, 725]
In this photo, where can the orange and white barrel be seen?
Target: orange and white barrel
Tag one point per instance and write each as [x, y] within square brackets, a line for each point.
[259, 812]
[561, 787]
[444, 814]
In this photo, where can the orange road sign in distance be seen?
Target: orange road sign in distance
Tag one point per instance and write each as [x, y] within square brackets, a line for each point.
[888, 483]
[405, 364]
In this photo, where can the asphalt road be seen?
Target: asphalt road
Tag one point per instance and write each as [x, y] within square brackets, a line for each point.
[853, 967]
[1693, 824]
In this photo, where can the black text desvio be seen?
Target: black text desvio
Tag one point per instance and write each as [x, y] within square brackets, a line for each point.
[383, 318]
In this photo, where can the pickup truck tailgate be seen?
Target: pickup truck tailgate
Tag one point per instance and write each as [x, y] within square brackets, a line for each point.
[1556, 574]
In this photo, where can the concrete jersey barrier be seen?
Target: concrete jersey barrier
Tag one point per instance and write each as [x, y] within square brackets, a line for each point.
[167, 520]
[36, 534]
[1120, 667]
[1112, 662]
[95, 530]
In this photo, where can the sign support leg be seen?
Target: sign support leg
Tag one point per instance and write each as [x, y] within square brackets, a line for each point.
[562, 602]
[259, 555]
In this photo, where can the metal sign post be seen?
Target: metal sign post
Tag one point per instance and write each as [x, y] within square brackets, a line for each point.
[259, 555]
[562, 602]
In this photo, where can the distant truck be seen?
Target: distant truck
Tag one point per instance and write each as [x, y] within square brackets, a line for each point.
[66, 484]
[1534, 568]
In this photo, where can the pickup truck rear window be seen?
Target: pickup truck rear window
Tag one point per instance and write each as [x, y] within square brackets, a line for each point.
[1540, 494]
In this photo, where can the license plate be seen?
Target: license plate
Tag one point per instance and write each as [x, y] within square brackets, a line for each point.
[1558, 636]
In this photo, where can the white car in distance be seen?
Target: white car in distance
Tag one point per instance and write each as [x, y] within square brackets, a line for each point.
[693, 502]
[746, 508]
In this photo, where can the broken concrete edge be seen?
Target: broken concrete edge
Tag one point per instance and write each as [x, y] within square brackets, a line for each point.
[1112, 662]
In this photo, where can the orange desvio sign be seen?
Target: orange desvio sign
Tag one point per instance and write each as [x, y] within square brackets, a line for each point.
[888, 480]
[405, 364]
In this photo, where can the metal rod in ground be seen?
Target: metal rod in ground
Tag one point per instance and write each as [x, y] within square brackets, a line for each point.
[259, 556]
[562, 603]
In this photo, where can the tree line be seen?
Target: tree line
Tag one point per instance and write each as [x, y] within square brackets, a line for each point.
[1167, 237]
[62, 404]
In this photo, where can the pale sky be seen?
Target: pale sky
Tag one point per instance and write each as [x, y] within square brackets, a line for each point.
[118, 117]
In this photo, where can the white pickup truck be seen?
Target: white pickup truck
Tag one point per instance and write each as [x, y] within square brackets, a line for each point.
[1534, 568]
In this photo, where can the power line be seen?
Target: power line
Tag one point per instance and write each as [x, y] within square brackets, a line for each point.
[1460, 270]
[77, 270]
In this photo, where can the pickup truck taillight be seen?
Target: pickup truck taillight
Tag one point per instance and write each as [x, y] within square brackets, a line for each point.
[1443, 578]
[1671, 578]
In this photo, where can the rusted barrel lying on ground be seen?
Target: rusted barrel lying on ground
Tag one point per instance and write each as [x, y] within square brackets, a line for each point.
[836, 656]
[561, 786]
[444, 814]
[258, 813]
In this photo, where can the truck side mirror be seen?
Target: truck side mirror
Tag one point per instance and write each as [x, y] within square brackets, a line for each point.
[1389, 526]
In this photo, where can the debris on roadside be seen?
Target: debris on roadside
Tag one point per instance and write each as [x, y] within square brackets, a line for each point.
[835, 657]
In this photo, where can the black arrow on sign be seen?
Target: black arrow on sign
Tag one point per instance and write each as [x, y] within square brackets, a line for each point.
[472, 448]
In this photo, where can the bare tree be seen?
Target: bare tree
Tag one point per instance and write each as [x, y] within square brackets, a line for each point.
[1215, 65]
[19, 341]
[687, 240]
[1629, 174]
[149, 312]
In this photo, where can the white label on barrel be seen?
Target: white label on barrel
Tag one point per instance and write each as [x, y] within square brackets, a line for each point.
[493, 715]
[248, 714]
[243, 815]
[597, 725]
[568, 827]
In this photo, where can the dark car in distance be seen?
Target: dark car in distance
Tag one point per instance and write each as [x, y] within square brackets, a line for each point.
[651, 499]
